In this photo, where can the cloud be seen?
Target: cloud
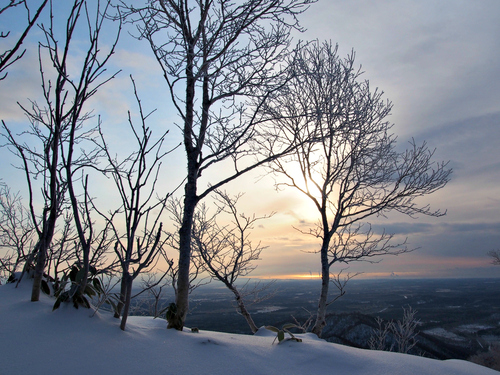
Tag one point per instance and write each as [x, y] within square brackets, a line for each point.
[476, 241]
[299, 218]
[471, 145]
[478, 228]
[140, 60]
[428, 228]
[22, 82]
[403, 228]
[435, 60]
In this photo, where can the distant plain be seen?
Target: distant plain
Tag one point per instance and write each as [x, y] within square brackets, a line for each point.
[464, 313]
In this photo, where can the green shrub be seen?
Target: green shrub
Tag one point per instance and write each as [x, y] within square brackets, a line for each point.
[280, 333]
[68, 288]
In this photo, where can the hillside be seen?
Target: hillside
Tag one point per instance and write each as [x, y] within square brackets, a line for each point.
[35, 339]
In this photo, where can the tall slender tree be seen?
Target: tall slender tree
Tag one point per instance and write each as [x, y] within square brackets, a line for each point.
[58, 126]
[352, 170]
[82, 87]
[139, 244]
[216, 55]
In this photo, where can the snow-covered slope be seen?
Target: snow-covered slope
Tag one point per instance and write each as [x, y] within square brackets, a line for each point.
[33, 339]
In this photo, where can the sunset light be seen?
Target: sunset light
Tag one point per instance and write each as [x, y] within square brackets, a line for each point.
[275, 174]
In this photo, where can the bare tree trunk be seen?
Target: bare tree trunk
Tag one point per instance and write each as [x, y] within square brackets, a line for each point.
[123, 294]
[243, 309]
[128, 281]
[190, 201]
[323, 298]
[49, 223]
[86, 267]
[182, 297]
[53, 193]
[39, 268]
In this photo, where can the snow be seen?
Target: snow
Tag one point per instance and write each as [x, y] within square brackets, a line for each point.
[33, 339]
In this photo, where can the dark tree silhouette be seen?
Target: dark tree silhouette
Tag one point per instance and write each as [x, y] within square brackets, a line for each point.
[216, 55]
[139, 245]
[226, 249]
[58, 126]
[352, 170]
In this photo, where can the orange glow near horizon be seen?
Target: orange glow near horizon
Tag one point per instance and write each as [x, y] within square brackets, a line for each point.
[365, 275]
[436, 267]
[290, 277]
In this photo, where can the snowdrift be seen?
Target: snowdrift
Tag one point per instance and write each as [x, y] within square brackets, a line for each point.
[33, 339]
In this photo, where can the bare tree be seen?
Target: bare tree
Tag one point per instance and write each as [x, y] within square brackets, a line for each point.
[17, 237]
[215, 55]
[378, 339]
[495, 255]
[62, 252]
[82, 87]
[46, 166]
[139, 245]
[10, 56]
[107, 284]
[16, 232]
[352, 170]
[58, 125]
[155, 285]
[226, 249]
[405, 331]
[396, 335]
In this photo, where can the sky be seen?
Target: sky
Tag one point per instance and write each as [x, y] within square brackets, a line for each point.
[436, 61]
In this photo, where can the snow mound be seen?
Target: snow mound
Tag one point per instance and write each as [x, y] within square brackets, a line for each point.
[33, 339]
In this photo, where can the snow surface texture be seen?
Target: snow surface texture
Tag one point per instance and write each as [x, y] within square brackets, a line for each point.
[33, 339]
